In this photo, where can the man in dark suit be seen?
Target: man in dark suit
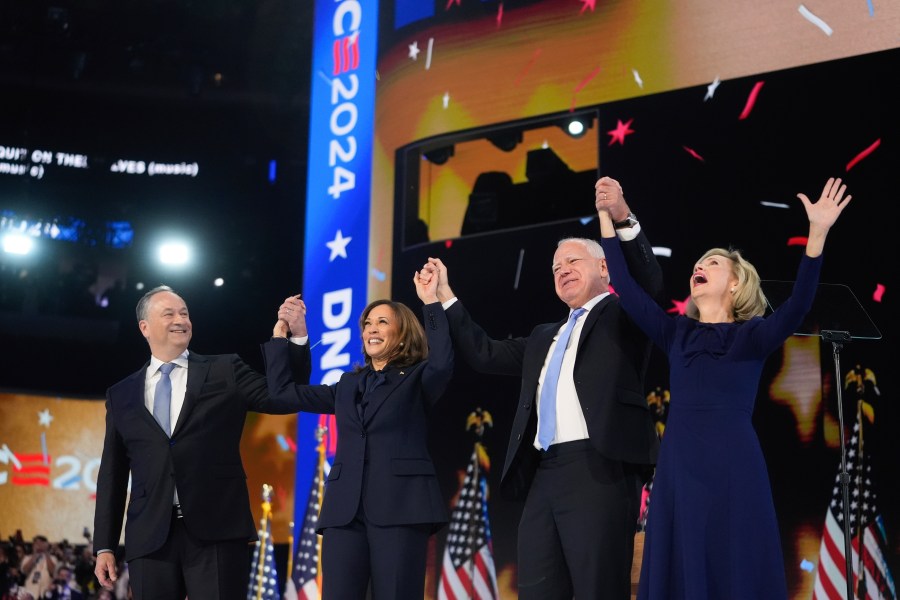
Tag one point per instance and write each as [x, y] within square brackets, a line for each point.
[188, 518]
[580, 477]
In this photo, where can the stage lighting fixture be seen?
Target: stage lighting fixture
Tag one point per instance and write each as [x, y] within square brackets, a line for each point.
[506, 140]
[439, 156]
[174, 253]
[577, 126]
[16, 243]
[218, 282]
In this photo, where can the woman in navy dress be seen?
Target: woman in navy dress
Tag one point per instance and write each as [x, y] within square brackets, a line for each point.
[712, 533]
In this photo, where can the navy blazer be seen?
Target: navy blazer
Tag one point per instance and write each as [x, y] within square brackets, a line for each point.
[610, 364]
[381, 460]
[202, 458]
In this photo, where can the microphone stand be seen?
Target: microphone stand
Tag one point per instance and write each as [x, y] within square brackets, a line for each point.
[838, 339]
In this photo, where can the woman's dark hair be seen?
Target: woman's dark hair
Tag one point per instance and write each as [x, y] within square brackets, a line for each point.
[411, 347]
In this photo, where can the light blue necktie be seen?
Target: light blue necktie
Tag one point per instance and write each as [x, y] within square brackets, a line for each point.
[547, 406]
[162, 398]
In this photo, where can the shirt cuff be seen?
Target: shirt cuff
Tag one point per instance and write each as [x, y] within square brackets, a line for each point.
[449, 303]
[300, 340]
[626, 234]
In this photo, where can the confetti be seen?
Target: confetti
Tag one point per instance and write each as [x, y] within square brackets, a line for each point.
[44, 453]
[446, 100]
[807, 566]
[428, 54]
[448, 243]
[379, 275]
[679, 306]
[815, 20]
[586, 4]
[662, 251]
[519, 268]
[451, 3]
[864, 154]
[711, 89]
[499, 15]
[751, 100]
[774, 204]
[586, 220]
[693, 153]
[581, 85]
[797, 240]
[879, 293]
[528, 66]
[622, 129]
[637, 78]
[414, 51]
[281, 442]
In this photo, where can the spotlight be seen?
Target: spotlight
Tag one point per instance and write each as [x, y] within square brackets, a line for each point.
[506, 140]
[577, 126]
[16, 243]
[174, 253]
[439, 156]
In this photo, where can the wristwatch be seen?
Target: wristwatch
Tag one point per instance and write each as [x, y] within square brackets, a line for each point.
[629, 221]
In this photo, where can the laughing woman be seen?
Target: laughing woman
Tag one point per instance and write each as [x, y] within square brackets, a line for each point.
[712, 531]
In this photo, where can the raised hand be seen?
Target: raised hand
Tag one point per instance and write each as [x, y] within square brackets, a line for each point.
[293, 313]
[608, 195]
[823, 213]
[436, 266]
[426, 285]
[829, 206]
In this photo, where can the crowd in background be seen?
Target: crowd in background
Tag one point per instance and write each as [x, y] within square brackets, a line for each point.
[40, 569]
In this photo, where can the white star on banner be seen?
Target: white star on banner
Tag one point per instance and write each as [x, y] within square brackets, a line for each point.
[44, 417]
[414, 50]
[338, 246]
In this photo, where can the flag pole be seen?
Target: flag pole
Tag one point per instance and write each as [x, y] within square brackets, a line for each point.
[321, 430]
[263, 533]
[290, 564]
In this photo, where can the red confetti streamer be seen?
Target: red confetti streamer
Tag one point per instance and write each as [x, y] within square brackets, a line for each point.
[528, 66]
[451, 3]
[581, 85]
[448, 243]
[290, 443]
[751, 100]
[586, 4]
[693, 153]
[864, 154]
[879, 292]
[499, 15]
[797, 240]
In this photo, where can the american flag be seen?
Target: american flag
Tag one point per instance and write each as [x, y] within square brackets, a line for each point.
[304, 582]
[263, 574]
[871, 576]
[467, 569]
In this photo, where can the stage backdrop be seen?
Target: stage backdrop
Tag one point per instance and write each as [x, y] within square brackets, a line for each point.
[50, 451]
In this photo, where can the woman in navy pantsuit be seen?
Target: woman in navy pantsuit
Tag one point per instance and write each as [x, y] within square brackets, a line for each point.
[382, 500]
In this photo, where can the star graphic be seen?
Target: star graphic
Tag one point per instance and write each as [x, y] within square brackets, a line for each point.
[679, 306]
[414, 50]
[338, 246]
[711, 89]
[588, 4]
[622, 129]
[44, 417]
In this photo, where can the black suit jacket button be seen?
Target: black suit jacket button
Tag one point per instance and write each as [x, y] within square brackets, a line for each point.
[171, 442]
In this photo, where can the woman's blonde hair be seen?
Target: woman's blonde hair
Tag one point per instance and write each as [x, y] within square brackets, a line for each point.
[749, 300]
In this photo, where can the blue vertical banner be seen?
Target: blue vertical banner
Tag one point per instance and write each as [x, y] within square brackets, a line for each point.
[338, 199]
